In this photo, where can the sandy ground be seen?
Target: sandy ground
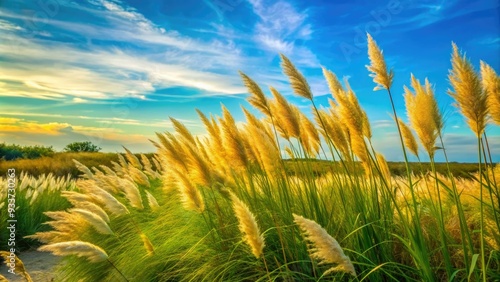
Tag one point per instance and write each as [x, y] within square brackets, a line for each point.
[40, 266]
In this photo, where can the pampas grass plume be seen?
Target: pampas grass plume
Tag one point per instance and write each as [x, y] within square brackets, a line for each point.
[104, 198]
[147, 244]
[79, 248]
[408, 137]
[380, 75]
[470, 97]
[257, 98]
[95, 220]
[491, 84]
[324, 247]
[153, 204]
[190, 195]
[132, 159]
[297, 80]
[248, 226]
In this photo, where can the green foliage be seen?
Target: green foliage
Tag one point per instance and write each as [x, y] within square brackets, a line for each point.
[85, 146]
[13, 152]
[34, 196]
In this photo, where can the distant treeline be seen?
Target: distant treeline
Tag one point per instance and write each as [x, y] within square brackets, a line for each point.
[320, 167]
[13, 152]
[60, 163]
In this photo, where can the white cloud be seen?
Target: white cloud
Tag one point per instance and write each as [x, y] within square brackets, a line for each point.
[91, 72]
[280, 26]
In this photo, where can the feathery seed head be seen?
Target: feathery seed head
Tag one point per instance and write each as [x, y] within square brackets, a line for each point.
[384, 168]
[297, 80]
[153, 204]
[333, 82]
[79, 248]
[323, 246]
[257, 98]
[233, 142]
[248, 226]
[287, 120]
[491, 85]
[421, 108]
[104, 198]
[94, 220]
[467, 92]
[132, 159]
[190, 195]
[309, 134]
[129, 188]
[182, 130]
[147, 244]
[408, 137]
[86, 171]
[380, 75]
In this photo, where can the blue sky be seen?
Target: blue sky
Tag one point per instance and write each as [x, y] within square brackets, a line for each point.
[112, 72]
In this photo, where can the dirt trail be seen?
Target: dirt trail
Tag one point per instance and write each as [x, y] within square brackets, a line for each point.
[40, 266]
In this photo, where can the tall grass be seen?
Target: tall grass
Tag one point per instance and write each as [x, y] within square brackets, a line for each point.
[225, 207]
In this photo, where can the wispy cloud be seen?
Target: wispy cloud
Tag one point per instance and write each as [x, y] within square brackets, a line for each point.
[421, 14]
[279, 28]
[101, 72]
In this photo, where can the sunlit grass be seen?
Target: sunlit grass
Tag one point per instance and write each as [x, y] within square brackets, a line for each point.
[228, 207]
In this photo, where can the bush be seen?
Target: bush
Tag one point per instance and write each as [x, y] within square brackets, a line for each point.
[85, 146]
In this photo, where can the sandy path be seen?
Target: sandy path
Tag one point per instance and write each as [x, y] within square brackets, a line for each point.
[40, 266]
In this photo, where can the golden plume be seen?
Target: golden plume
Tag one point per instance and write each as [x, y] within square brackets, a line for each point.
[420, 107]
[324, 247]
[297, 80]
[380, 75]
[491, 85]
[248, 226]
[467, 92]
[257, 98]
[79, 248]
[408, 137]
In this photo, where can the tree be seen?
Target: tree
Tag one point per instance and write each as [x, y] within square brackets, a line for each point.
[85, 146]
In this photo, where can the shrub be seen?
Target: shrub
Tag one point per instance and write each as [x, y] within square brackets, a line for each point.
[85, 146]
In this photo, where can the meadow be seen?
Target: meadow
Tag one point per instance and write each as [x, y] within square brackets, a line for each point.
[227, 206]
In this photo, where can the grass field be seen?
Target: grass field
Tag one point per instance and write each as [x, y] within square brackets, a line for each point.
[228, 207]
[61, 164]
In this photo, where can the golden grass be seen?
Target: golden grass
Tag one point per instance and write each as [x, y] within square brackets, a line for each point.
[79, 248]
[491, 84]
[286, 120]
[297, 80]
[147, 244]
[324, 247]
[408, 137]
[380, 75]
[94, 220]
[190, 195]
[467, 91]
[420, 107]
[248, 226]
[257, 97]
